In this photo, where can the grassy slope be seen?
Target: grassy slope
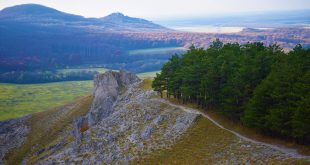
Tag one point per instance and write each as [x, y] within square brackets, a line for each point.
[47, 128]
[146, 84]
[238, 127]
[203, 143]
[248, 132]
[20, 100]
[206, 143]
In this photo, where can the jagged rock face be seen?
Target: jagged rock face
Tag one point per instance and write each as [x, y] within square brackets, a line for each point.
[107, 87]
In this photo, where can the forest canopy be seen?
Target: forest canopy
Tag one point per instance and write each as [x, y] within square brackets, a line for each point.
[261, 86]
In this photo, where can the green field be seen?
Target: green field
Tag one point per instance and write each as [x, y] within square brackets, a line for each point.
[20, 100]
[155, 50]
[64, 71]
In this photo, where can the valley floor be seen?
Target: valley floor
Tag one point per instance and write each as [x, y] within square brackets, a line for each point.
[17, 100]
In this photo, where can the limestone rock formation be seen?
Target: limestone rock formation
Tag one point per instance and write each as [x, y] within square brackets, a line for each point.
[123, 122]
[107, 88]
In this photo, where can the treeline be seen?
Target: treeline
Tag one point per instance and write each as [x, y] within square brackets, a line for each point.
[31, 77]
[261, 86]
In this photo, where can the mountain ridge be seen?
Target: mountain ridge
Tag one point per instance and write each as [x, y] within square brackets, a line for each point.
[28, 9]
[27, 12]
[42, 15]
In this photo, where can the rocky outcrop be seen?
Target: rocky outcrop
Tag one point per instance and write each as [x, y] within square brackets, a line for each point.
[12, 134]
[123, 122]
[107, 88]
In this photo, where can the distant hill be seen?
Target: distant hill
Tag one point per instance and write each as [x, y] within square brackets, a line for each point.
[37, 14]
[125, 23]
[41, 15]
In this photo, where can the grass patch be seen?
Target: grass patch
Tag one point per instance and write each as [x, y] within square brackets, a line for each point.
[65, 71]
[19, 100]
[147, 75]
[46, 128]
[146, 84]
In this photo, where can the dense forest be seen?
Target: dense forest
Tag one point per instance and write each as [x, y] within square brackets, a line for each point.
[45, 76]
[260, 86]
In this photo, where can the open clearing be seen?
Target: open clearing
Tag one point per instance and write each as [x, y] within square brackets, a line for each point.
[19, 100]
[64, 71]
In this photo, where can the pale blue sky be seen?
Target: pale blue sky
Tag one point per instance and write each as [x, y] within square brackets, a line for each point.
[154, 9]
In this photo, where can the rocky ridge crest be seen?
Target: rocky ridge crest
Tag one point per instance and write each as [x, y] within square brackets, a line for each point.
[123, 122]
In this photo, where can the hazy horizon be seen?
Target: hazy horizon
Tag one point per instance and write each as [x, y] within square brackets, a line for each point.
[161, 10]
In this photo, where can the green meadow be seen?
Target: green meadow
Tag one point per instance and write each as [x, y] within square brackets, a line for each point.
[64, 71]
[19, 100]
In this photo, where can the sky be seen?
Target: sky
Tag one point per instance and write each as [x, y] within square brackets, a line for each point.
[161, 9]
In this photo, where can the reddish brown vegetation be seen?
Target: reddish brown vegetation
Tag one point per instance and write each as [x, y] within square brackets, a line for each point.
[84, 127]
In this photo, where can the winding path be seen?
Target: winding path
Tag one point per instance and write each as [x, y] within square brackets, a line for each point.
[285, 150]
